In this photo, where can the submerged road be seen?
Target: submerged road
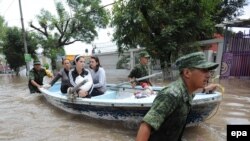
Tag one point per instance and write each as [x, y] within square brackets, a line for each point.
[26, 117]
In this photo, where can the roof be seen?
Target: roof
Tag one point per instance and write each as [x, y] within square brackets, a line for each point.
[244, 23]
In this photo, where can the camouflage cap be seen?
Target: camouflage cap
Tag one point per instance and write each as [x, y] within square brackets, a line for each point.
[37, 62]
[195, 60]
[144, 54]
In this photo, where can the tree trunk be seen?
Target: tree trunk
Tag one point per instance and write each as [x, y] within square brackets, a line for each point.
[53, 63]
[17, 70]
[166, 70]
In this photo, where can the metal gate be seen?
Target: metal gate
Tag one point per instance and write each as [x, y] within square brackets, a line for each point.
[236, 56]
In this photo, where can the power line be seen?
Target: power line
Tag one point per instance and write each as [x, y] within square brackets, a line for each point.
[8, 7]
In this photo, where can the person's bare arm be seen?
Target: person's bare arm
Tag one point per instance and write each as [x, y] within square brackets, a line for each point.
[143, 132]
[133, 83]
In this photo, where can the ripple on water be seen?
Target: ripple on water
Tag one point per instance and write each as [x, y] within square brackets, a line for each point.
[237, 113]
[234, 120]
[234, 104]
[203, 132]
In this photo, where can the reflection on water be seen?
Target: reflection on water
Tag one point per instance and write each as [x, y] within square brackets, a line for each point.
[29, 117]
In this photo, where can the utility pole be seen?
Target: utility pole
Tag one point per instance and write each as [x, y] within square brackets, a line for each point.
[26, 55]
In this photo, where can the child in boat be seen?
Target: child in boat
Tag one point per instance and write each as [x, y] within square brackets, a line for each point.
[148, 90]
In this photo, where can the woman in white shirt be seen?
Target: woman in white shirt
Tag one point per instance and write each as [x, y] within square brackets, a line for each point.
[79, 74]
[98, 76]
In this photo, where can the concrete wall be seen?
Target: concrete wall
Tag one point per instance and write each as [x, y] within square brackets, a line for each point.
[109, 60]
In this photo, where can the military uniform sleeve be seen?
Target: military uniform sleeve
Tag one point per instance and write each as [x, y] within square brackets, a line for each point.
[31, 75]
[163, 106]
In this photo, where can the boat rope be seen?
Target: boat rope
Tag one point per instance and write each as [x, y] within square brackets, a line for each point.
[222, 90]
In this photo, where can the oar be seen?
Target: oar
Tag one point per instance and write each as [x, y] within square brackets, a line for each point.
[138, 79]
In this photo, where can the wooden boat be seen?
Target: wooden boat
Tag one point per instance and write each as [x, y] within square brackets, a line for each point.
[121, 104]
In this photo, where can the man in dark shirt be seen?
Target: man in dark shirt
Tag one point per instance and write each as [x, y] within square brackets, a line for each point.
[140, 70]
[36, 77]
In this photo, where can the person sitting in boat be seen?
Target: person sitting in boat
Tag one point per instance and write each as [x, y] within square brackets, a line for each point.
[98, 76]
[63, 74]
[146, 92]
[140, 70]
[80, 74]
[36, 75]
[167, 117]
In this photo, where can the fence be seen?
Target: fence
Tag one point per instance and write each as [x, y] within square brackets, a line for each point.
[236, 56]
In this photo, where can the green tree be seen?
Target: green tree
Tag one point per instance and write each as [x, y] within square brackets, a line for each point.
[65, 28]
[3, 28]
[228, 9]
[13, 48]
[169, 28]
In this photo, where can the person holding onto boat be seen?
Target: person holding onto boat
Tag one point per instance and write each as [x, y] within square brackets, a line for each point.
[80, 74]
[63, 74]
[140, 70]
[167, 117]
[36, 75]
[98, 76]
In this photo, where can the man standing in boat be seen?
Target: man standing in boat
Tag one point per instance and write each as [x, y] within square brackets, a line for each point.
[140, 70]
[167, 117]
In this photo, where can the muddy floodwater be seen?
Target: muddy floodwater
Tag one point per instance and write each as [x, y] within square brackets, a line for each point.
[26, 117]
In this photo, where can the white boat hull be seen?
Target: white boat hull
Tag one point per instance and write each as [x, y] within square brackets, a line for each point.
[123, 106]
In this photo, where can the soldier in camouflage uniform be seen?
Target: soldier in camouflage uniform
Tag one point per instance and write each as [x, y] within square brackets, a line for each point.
[140, 70]
[166, 119]
[36, 77]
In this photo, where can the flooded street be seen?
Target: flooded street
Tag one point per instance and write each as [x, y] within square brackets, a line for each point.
[26, 117]
[234, 109]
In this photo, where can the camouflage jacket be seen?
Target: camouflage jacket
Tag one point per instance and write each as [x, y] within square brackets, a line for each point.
[37, 76]
[169, 111]
[139, 71]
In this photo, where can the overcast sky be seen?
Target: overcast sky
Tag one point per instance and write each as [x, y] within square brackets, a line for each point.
[30, 8]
